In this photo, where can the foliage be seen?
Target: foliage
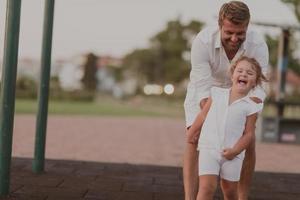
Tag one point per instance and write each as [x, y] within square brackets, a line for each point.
[57, 93]
[165, 61]
[141, 63]
[295, 5]
[75, 95]
[26, 87]
[293, 63]
[116, 71]
[89, 79]
[273, 49]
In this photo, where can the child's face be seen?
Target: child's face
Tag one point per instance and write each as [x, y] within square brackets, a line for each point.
[244, 76]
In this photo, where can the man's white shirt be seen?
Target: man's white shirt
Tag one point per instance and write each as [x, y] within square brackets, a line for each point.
[224, 123]
[210, 66]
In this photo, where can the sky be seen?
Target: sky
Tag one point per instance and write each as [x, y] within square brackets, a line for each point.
[115, 27]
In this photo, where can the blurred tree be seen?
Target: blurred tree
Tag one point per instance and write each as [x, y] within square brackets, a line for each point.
[293, 62]
[295, 5]
[167, 58]
[26, 87]
[89, 79]
[273, 49]
[141, 64]
[171, 47]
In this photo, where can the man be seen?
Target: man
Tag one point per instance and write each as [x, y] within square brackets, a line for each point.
[213, 49]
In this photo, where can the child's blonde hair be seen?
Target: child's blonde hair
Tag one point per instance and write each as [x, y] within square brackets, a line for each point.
[256, 66]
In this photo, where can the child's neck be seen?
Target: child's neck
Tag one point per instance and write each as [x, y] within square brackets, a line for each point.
[235, 95]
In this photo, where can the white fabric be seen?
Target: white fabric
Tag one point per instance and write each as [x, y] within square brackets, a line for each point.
[212, 163]
[224, 123]
[210, 66]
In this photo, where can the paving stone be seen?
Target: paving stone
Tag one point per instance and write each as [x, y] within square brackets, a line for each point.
[127, 182]
[51, 191]
[159, 196]
[24, 197]
[138, 187]
[140, 177]
[76, 182]
[107, 185]
[41, 180]
[15, 187]
[65, 198]
[101, 195]
[168, 181]
[154, 174]
[135, 196]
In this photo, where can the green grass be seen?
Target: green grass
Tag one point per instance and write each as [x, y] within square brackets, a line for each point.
[138, 106]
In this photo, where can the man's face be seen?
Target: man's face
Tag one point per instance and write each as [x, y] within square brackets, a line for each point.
[232, 35]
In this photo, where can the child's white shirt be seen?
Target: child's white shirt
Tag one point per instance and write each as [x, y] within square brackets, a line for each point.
[224, 123]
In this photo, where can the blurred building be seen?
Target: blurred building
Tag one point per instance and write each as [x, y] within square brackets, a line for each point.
[292, 85]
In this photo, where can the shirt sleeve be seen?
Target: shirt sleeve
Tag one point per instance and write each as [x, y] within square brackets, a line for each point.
[215, 92]
[262, 57]
[200, 80]
[255, 108]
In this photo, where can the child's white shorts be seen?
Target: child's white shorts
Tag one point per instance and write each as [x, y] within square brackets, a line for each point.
[211, 162]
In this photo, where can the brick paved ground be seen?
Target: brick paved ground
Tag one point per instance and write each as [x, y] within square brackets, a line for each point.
[75, 180]
[94, 153]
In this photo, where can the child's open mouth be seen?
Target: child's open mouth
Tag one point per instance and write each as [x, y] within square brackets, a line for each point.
[242, 82]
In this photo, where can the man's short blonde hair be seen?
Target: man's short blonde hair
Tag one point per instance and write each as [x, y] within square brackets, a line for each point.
[236, 12]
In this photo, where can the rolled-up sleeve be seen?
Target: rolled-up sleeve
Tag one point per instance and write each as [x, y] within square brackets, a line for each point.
[200, 80]
[262, 56]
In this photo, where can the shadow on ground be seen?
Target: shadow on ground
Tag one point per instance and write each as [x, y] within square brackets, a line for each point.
[74, 180]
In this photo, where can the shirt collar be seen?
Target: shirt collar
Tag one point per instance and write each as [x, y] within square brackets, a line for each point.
[243, 46]
[245, 98]
[218, 40]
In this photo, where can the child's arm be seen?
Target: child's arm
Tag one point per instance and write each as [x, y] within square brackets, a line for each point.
[194, 131]
[245, 140]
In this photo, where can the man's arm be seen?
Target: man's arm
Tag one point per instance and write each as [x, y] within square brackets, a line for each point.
[245, 140]
[194, 131]
[200, 80]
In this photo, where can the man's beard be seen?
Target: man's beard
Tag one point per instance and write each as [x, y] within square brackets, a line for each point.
[231, 47]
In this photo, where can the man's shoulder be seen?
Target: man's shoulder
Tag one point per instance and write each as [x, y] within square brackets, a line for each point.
[254, 37]
[208, 33]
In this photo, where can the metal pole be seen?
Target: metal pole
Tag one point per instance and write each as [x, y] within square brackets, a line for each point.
[282, 68]
[8, 83]
[41, 123]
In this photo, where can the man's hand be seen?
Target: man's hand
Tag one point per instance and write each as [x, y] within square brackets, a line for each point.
[256, 100]
[229, 153]
[203, 102]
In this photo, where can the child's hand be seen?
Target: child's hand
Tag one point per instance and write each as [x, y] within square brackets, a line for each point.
[229, 153]
[192, 138]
